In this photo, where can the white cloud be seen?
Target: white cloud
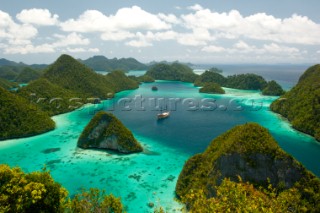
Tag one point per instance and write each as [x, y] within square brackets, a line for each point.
[136, 18]
[81, 50]
[93, 50]
[318, 51]
[138, 43]
[70, 39]
[15, 33]
[26, 49]
[276, 49]
[38, 17]
[213, 49]
[75, 50]
[133, 18]
[242, 45]
[259, 26]
[170, 18]
[117, 36]
[89, 21]
[195, 7]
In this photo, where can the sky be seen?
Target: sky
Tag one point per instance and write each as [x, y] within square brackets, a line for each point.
[210, 32]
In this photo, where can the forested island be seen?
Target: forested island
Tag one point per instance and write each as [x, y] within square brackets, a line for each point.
[101, 63]
[212, 88]
[240, 81]
[172, 72]
[64, 86]
[105, 131]
[243, 170]
[301, 105]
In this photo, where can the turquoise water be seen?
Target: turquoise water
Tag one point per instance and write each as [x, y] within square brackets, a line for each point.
[151, 176]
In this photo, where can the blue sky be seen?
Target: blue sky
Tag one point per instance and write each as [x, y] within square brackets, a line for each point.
[229, 31]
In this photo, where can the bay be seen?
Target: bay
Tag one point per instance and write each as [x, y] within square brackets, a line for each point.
[151, 176]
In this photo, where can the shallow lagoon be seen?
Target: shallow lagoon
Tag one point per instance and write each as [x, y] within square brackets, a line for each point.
[151, 176]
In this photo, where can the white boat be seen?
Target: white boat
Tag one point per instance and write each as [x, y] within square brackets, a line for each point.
[163, 115]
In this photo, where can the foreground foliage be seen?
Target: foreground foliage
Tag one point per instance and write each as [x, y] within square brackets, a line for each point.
[244, 197]
[38, 192]
[301, 105]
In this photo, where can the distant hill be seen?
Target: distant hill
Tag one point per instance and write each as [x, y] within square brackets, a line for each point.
[9, 72]
[101, 63]
[301, 105]
[241, 81]
[28, 74]
[67, 78]
[19, 118]
[8, 84]
[5, 62]
[173, 72]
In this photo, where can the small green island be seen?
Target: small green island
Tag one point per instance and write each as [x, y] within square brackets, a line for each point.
[247, 161]
[241, 81]
[212, 88]
[273, 88]
[105, 131]
[173, 72]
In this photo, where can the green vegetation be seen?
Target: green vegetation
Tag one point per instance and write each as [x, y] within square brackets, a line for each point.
[38, 192]
[106, 131]
[8, 84]
[94, 201]
[19, 118]
[67, 85]
[9, 73]
[119, 81]
[174, 72]
[101, 63]
[243, 197]
[273, 88]
[242, 81]
[212, 88]
[142, 79]
[214, 69]
[27, 75]
[301, 105]
[210, 77]
[249, 152]
[246, 81]
[50, 97]
[70, 74]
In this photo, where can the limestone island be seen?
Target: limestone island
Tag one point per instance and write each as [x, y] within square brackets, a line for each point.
[105, 131]
[251, 159]
[212, 88]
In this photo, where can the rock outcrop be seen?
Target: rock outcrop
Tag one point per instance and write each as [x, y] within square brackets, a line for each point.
[105, 131]
[247, 151]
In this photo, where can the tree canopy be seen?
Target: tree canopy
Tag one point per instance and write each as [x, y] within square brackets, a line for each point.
[301, 105]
